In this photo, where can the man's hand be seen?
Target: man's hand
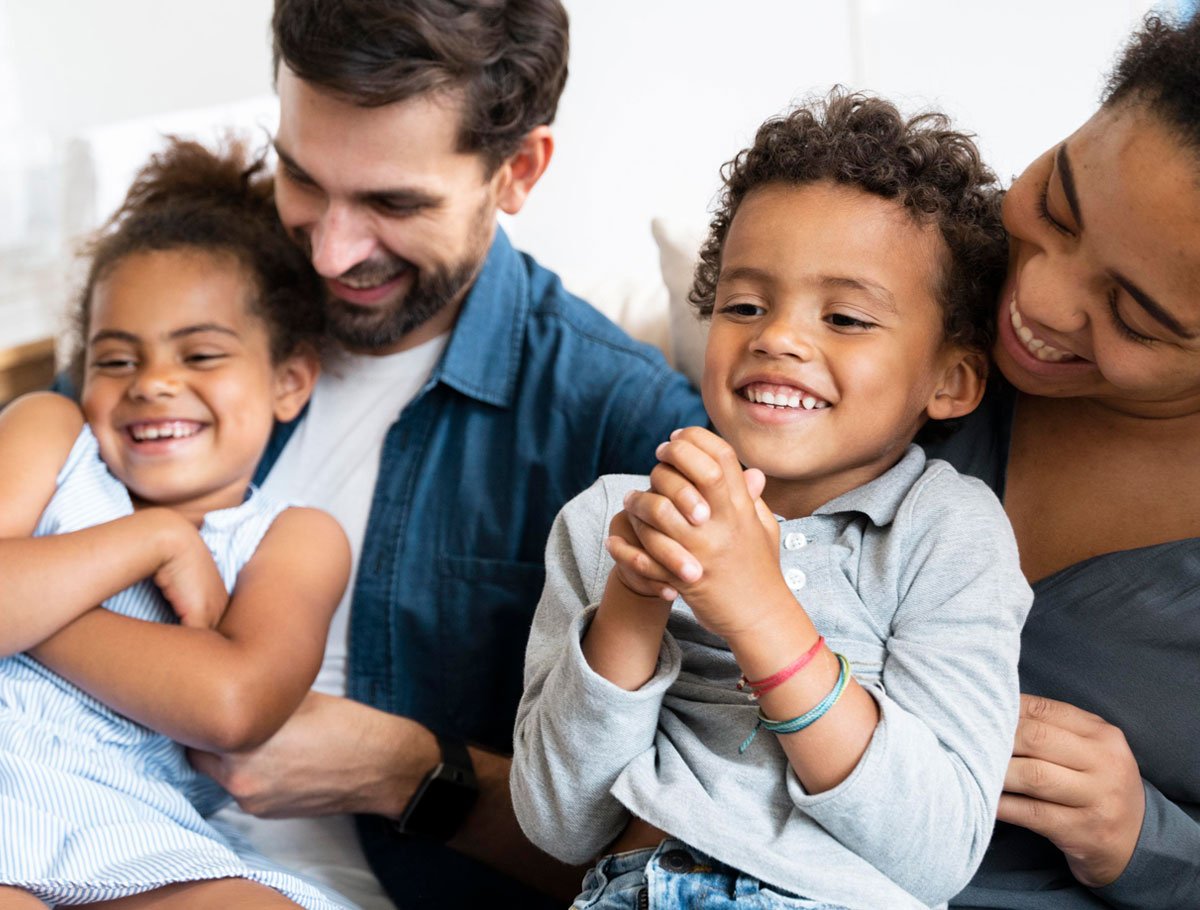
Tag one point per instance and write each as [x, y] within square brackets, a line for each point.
[332, 756]
[1074, 780]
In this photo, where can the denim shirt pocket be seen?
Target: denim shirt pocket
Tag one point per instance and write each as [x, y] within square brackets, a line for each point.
[485, 608]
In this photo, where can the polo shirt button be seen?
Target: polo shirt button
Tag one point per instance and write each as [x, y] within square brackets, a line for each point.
[795, 579]
[795, 540]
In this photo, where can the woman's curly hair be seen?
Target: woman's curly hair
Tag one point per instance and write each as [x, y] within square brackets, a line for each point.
[188, 197]
[1160, 67]
[860, 141]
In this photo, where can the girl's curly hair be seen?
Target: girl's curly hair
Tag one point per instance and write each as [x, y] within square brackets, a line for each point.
[219, 202]
[934, 172]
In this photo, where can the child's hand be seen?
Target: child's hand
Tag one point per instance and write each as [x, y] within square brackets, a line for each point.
[188, 578]
[634, 567]
[733, 580]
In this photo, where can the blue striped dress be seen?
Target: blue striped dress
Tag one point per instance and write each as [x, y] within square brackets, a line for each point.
[94, 806]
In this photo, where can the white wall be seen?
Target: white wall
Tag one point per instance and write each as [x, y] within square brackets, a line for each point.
[661, 93]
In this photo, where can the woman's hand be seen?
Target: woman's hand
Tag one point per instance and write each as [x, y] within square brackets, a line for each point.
[1074, 780]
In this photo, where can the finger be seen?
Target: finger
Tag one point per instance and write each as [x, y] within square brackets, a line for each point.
[767, 518]
[1047, 819]
[671, 556]
[638, 571]
[1060, 714]
[1046, 781]
[206, 763]
[1047, 742]
[756, 482]
[712, 468]
[667, 481]
[658, 512]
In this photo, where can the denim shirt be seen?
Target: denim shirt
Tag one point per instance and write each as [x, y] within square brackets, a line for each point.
[536, 395]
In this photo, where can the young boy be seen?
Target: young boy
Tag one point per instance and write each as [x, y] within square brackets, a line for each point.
[869, 600]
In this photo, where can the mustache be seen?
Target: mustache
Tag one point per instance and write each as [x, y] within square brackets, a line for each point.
[373, 272]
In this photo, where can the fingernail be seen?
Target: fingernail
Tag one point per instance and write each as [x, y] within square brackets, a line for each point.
[668, 594]
[628, 497]
[690, 571]
[658, 452]
[675, 433]
[701, 513]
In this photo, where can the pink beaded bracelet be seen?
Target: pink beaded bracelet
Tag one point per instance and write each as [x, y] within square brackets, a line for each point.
[759, 687]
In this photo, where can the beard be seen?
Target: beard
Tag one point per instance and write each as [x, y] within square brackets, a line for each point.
[371, 328]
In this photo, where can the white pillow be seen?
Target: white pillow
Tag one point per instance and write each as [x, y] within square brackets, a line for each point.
[678, 246]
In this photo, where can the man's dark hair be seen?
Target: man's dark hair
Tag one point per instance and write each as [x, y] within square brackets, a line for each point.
[508, 58]
[1160, 67]
[932, 171]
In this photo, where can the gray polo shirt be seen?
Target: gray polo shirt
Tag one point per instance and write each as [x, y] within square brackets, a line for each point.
[915, 578]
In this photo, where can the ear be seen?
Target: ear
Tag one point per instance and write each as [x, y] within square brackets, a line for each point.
[960, 387]
[293, 383]
[522, 170]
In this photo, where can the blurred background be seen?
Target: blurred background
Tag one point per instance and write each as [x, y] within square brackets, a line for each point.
[661, 93]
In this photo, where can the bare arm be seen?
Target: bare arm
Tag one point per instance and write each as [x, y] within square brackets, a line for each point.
[50, 581]
[234, 686]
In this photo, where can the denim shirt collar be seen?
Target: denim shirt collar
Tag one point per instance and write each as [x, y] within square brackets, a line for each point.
[483, 356]
[880, 499]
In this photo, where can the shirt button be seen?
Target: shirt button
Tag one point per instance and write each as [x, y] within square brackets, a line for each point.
[795, 579]
[795, 540]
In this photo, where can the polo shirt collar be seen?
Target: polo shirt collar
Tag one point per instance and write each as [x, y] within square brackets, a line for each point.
[483, 356]
[880, 499]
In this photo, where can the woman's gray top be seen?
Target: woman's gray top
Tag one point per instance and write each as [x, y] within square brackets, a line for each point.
[1117, 635]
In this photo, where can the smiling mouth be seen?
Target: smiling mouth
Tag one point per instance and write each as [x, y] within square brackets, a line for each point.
[165, 429]
[1037, 347]
[782, 397]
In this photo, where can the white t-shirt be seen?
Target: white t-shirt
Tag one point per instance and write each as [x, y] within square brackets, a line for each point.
[331, 462]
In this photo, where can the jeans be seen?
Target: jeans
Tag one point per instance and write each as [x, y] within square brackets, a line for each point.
[674, 875]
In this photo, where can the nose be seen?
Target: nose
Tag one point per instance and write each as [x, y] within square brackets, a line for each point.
[781, 337]
[155, 381]
[1057, 291]
[339, 240]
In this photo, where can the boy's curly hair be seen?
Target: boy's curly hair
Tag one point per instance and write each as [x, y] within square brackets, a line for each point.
[217, 202]
[934, 172]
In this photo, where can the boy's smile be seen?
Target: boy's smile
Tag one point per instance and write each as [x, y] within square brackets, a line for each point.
[826, 346]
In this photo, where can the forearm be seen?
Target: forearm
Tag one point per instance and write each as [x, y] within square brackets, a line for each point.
[623, 641]
[1164, 870]
[50, 581]
[195, 686]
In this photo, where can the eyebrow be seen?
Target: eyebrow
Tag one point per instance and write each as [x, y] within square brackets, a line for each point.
[399, 197]
[1067, 177]
[1152, 307]
[877, 292]
[121, 335]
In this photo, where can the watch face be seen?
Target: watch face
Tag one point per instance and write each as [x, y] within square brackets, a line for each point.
[440, 804]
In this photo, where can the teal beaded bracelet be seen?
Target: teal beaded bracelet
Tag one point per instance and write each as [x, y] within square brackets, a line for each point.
[809, 717]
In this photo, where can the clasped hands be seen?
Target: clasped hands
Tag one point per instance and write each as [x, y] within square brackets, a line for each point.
[701, 531]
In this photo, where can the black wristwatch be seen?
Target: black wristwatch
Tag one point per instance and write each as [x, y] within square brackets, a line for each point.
[444, 798]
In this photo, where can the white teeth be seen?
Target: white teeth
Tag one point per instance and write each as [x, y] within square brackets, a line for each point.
[794, 401]
[175, 430]
[768, 398]
[1036, 346]
[782, 399]
[809, 402]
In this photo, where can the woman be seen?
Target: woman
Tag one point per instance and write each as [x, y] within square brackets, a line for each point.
[1092, 439]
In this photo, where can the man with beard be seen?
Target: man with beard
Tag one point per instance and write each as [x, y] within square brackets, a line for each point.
[466, 399]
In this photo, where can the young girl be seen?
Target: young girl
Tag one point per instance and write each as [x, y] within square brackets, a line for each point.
[200, 325]
[868, 600]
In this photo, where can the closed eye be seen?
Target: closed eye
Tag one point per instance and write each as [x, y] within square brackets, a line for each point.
[842, 321]
[1043, 210]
